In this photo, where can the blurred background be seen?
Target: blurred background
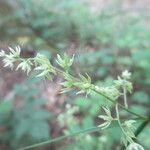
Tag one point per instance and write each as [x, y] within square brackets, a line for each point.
[106, 36]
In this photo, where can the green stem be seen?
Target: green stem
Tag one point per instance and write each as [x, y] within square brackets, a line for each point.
[90, 130]
[118, 118]
[125, 97]
[121, 106]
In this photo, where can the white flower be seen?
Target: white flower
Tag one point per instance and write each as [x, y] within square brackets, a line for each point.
[123, 83]
[107, 118]
[2, 53]
[126, 74]
[134, 146]
[43, 66]
[15, 52]
[9, 59]
[8, 62]
[64, 62]
[25, 66]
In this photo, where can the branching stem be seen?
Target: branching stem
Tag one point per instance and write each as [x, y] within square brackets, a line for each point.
[63, 73]
[60, 72]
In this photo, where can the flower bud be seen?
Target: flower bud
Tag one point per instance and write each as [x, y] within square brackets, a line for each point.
[134, 146]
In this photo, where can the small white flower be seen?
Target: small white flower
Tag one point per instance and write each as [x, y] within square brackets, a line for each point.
[9, 59]
[64, 62]
[8, 62]
[44, 66]
[15, 52]
[25, 66]
[134, 146]
[126, 74]
[2, 53]
[107, 118]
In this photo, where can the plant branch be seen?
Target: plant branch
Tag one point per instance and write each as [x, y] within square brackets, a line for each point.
[107, 97]
[63, 73]
[90, 130]
[127, 110]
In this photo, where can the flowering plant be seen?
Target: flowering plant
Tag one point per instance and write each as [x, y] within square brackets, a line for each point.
[120, 87]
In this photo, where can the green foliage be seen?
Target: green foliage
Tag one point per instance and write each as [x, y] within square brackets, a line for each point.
[5, 107]
[57, 23]
[145, 135]
[27, 122]
[141, 97]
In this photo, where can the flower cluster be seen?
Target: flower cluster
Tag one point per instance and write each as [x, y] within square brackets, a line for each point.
[10, 58]
[128, 128]
[111, 91]
[107, 118]
[122, 83]
[84, 83]
[68, 84]
[43, 66]
[67, 117]
[65, 62]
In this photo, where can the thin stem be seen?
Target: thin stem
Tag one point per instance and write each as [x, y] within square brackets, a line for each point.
[125, 97]
[90, 130]
[121, 106]
[118, 118]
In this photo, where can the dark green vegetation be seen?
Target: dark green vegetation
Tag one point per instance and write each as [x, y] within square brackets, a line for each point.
[105, 43]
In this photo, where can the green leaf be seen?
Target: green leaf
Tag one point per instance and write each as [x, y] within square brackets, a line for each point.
[6, 107]
[21, 128]
[40, 130]
[145, 135]
[87, 122]
[82, 102]
[140, 109]
[40, 115]
[141, 97]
